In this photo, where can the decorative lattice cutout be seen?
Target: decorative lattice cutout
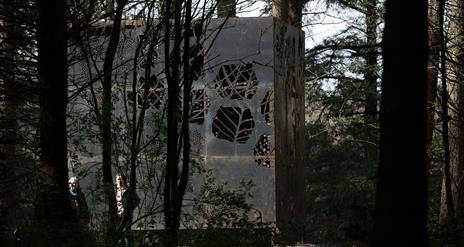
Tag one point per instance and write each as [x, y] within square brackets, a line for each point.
[266, 104]
[233, 124]
[196, 140]
[84, 73]
[236, 81]
[125, 45]
[155, 93]
[148, 49]
[262, 151]
[199, 107]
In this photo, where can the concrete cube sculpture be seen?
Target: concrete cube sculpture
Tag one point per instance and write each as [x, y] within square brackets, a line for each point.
[247, 115]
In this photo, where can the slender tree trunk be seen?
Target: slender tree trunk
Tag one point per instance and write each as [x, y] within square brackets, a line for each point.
[172, 75]
[400, 217]
[106, 120]
[370, 77]
[137, 121]
[432, 70]
[175, 182]
[52, 75]
[185, 131]
[371, 62]
[456, 106]
[447, 211]
[226, 8]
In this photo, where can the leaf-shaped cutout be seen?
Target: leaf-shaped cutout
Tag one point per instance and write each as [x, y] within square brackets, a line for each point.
[262, 151]
[266, 106]
[199, 106]
[233, 124]
[235, 81]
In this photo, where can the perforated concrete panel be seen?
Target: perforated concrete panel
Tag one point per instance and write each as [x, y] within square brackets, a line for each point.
[246, 121]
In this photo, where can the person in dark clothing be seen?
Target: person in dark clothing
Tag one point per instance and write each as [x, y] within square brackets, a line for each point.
[78, 202]
[123, 207]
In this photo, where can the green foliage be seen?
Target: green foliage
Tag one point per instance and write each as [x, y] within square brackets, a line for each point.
[222, 205]
[341, 153]
[339, 187]
[217, 214]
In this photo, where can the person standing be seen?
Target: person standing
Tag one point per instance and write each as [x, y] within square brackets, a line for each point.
[123, 207]
[78, 202]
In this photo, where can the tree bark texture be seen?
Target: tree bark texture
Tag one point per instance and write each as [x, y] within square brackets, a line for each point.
[400, 217]
[288, 11]
[52, 75]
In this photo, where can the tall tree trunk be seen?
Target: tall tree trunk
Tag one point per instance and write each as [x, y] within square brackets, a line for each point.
[288, 11]
[52, 75]
[401, 201]
[371, 61]
[172, 61]
[106, 120]
[185, 131]
[456, 106]
[175, 182]
[226, 8]
[9, 139]
[432, 69]
[447, 211]
[370, 77]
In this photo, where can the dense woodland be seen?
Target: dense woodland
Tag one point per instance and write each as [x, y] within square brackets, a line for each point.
[384, 151]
